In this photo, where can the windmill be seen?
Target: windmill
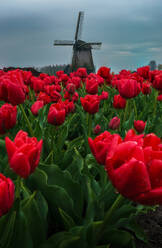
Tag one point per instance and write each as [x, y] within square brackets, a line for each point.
[82, 54]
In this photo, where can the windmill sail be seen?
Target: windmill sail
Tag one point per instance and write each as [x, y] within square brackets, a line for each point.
[63, 43]
[79, 26]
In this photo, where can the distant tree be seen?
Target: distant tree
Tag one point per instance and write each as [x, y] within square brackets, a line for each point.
[159, 66]
[52, 69]
[152, 65]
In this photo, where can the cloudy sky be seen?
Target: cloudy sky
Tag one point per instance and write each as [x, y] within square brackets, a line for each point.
[130, 31]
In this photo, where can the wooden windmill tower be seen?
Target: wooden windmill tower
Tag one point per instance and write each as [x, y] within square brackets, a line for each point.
[82, 54]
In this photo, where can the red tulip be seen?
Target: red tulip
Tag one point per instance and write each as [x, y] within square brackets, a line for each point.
[71, 88]
[76, 81]
[59, 73]
[139, 126]
[56, 114]
[97, 129]
[97, 78]
[55, 96]
[7, 189]
[104, 72]
[104, 95]
[144, 71]
[50, 88]
[146, 88]
[82, 73]
[119, 102]
[69, 106]
[23, 153]
[157, 83]
[8, 116]
[12, 92]
[135, 170]
[101, 145]
[91, 86]
[159, 97]
[44, 97]
[37, 84]
[75, 97]
[114, 123]
[128, 88]
[36, 107]
[152, 75]
[132, 136]
[90, 103]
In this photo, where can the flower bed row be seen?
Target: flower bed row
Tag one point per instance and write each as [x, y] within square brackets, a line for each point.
[81, 156]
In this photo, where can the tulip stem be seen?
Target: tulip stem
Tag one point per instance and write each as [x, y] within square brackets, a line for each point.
[53, 134]
[135, 109]
[26, 119]
[108, 216]
[31, 95]
[18, 187]
[89, 124]
[120, 117]
[126, 110]
[155, 104]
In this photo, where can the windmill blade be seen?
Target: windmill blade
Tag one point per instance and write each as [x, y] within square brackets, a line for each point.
[79, 26]
[95, 45]
[63, 43]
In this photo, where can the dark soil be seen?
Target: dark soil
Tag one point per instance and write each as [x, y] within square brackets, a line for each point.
[152, 225]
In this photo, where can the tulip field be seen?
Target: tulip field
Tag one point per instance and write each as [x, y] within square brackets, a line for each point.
[81, 157]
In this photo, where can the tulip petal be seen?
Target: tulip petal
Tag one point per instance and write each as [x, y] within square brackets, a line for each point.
[10, 147]
[132, 178]
[20, 164]
[152, 197]
[155, 172]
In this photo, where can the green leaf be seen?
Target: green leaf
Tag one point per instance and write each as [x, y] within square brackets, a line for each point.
[139, 232]
[91, 202]
[38, 130]
[21, 237]
[35, 221]
[62, 135]
[116, 237]
[129, 123]
[7, 230]
[68, 221]
[124, 211]
[55, 240]
[71, 242]
[77, 166]
[64, 179]
[56, 196]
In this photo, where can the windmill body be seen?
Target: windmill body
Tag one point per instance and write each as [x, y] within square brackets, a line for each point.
[82, 54]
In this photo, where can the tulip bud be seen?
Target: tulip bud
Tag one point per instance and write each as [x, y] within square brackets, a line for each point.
[71, 88]
[90, 103]
[91, 86]
[104, 95]
[144, 71]
[97, 129]
[119, 102]
[56, 114]
[157, 83]
[159, 97]
[114, 123]
[36, 107]
[139, 126]
[146, 88]
[8, 116]
[128, 88]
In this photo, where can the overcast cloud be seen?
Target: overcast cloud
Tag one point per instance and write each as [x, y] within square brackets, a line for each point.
[130, 31]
